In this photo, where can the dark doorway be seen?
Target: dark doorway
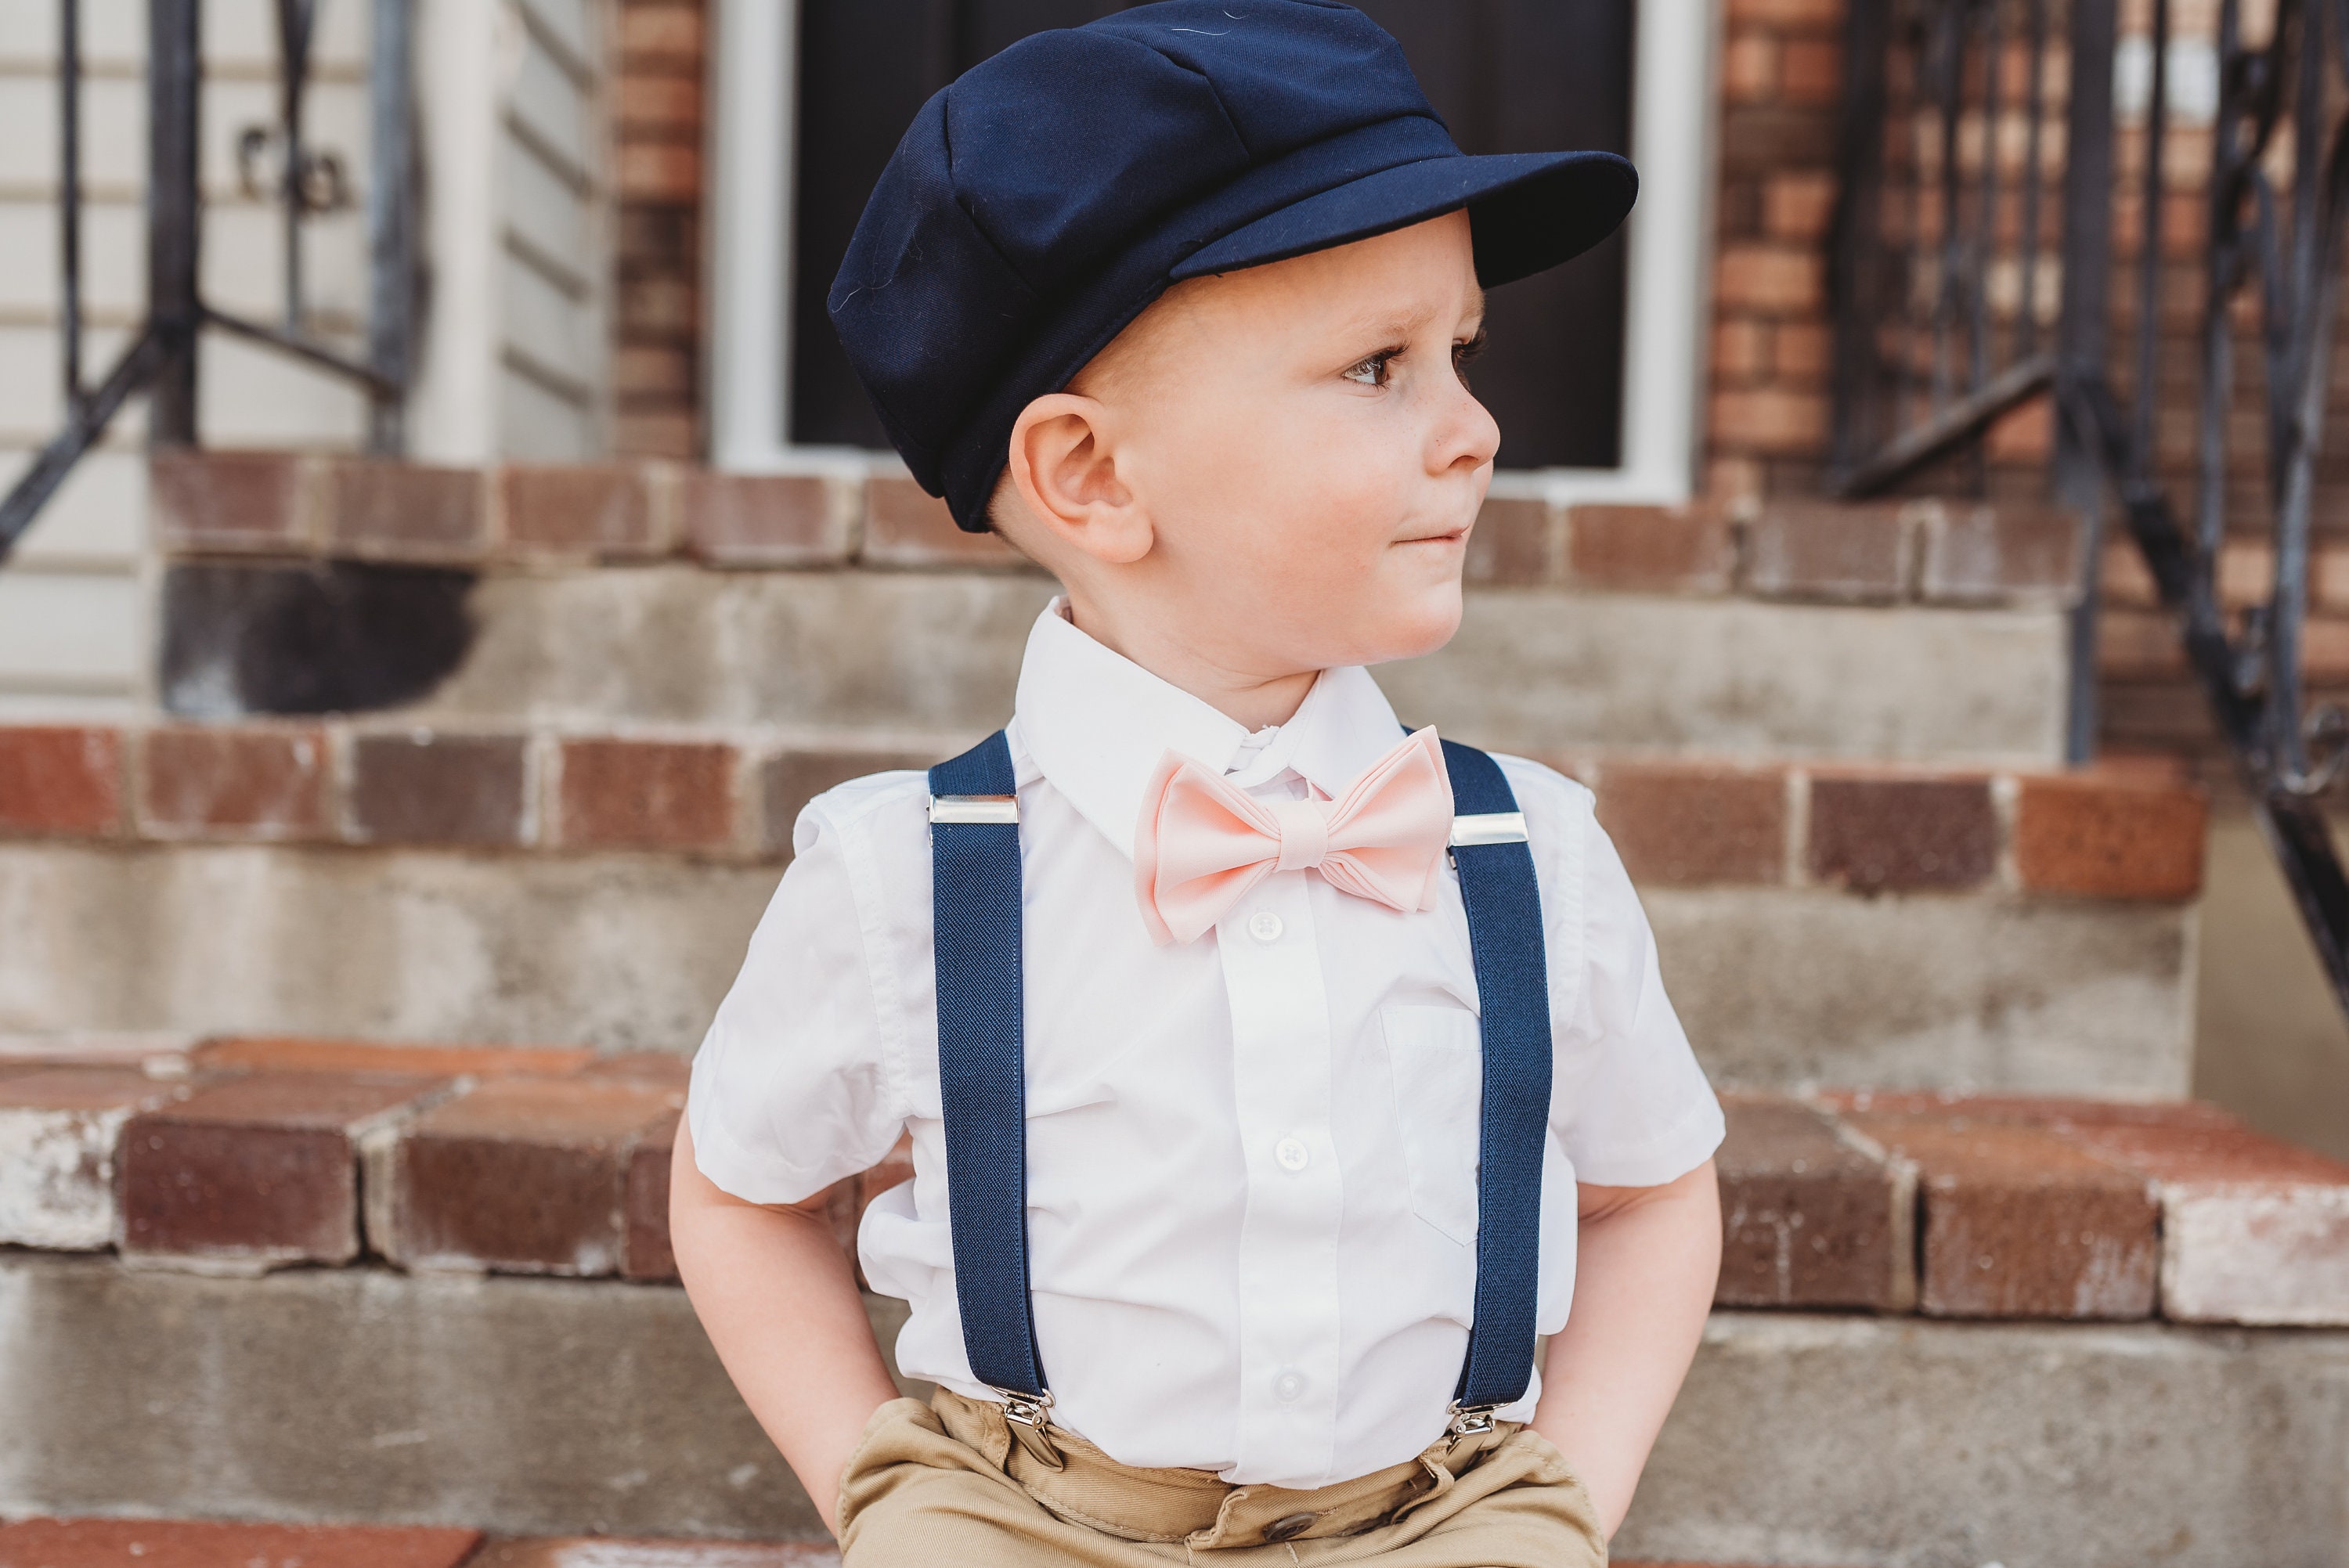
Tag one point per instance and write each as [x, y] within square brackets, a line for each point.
[1507, 76]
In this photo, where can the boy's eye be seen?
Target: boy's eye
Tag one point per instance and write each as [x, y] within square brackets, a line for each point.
[1371, 370]
[1465, 353]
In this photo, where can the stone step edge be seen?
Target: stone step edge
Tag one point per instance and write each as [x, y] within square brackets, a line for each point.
[242, 1155]
[84, 1542]
[2118, 831]
[866, 513]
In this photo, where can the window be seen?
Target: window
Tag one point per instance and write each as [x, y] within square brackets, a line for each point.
[1592, 368]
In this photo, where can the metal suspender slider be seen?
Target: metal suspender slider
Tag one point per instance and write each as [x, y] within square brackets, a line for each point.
[1488, 828]
[975, 808]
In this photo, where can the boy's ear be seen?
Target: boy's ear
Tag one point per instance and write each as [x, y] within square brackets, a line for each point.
[1064, 464]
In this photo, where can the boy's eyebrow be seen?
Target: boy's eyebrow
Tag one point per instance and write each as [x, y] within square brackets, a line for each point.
[1404, 322]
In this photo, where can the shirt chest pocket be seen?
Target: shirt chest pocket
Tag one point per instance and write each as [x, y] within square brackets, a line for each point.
[1437, 1062]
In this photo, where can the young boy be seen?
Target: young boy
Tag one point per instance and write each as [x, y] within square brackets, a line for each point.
[1267, 1069]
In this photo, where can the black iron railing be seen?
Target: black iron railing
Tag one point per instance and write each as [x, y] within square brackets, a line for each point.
[1950, 231]
[161, 359]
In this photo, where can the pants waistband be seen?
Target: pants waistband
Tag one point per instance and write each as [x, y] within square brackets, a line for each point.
[1089, 1487]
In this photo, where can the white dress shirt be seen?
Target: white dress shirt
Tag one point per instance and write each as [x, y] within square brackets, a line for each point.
[1251, 1159]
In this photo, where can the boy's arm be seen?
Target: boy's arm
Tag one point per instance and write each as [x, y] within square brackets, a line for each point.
[778, 1298]
[1647, 1262]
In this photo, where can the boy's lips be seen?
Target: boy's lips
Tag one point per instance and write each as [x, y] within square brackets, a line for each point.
[1449, 536]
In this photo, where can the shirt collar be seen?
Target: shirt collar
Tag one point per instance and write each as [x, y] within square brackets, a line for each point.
[1095, 724]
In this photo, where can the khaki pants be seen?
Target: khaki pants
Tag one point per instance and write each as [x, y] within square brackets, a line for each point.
[949, 1485]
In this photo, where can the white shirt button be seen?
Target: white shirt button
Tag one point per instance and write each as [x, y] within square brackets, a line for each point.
[1289, 1386]
[1264, 926]
[1292, 1154]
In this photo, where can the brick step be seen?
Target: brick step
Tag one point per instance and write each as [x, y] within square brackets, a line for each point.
[546, 1406]
[848, 603]
[210, 1543]
[1817, 923]
[246, 1155]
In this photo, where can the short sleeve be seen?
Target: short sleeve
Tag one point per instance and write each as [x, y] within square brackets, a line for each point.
[791, 1089]
[1631, 1106]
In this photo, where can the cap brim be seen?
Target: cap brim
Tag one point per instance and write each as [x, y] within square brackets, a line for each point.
[1529, 211]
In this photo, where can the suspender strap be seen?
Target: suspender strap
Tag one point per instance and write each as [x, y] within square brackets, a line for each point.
[976, 894]
[975, 889]
[1505, 943]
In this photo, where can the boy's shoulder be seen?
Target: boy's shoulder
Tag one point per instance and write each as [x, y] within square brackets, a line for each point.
[1539, 787]
[863, 804]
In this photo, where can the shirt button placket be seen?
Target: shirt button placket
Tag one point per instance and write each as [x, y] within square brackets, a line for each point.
[1289, 1241]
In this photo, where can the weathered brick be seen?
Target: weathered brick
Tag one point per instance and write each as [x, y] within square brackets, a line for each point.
[647, 1254]
[663, 1069]
[1993, 554]
[2054, 1110]
[1875, 832]
[1823, 551]
[60, 778]
[205, 1543]
[673, 434]
[1741, 349]
[2254, 1231]
[1812, 72]
[2018, 1222]
[426, 787]
[249, 783]
[789, 781]
[659, 170]
[606, 1552]
[158, 1053]
[1771, 279]
[646, 794]
[1808, 1219]
[770, 520]
[1799, 204]
[523, 1175]
[2137, 645]
[905, 527]
[1692, 822]
[1782, 421]
[407, 510]
[603, 509]
[260, 1170]
[1788, 13]
[660, 103]
[2109, 835]
[229, 500]
[652, 376]
[1801, 352]
[1513, 543]
[1749, 68]
[648, 33]
[59, 1129]
[1652, 549]
[291, 1053]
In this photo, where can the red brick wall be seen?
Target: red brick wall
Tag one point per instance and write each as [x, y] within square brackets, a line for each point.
[656, 357]
[1781, 83]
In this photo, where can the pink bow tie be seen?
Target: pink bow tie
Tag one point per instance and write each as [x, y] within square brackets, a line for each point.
[1202, 843]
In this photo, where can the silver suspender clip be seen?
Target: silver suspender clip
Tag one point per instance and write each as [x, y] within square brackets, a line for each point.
[1469, 1421]
[1028, 1409]
[975, 808]
[1484, 828]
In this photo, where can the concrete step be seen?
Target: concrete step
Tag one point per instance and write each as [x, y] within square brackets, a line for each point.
[1944, 927]
[847, 602]
[545, 1406]
[2027, 1335]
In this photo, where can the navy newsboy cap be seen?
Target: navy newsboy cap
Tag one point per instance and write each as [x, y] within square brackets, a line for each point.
[1042, 199]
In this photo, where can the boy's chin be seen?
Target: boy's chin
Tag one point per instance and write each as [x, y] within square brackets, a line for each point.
[1419, 627]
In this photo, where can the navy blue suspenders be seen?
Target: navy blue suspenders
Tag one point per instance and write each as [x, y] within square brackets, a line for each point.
[975, 885]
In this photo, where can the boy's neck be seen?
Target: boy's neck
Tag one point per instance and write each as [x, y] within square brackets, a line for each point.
[1249, 699]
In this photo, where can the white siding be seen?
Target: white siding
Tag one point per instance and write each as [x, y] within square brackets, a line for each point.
[530, 322]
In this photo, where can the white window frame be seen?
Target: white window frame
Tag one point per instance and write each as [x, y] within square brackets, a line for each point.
[1674, 94]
